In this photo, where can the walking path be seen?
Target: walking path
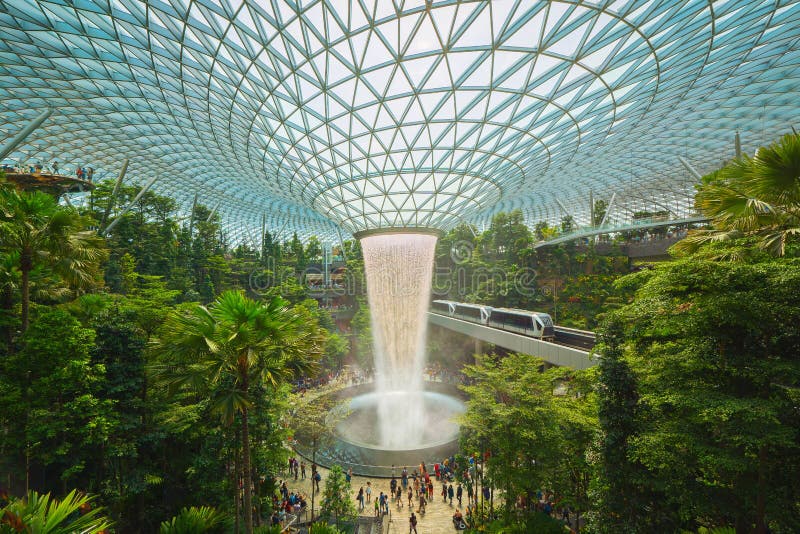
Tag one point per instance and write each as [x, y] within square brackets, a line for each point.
[438, 518]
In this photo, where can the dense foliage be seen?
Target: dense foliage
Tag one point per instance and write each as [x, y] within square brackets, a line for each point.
[690, 421]
[86, 401]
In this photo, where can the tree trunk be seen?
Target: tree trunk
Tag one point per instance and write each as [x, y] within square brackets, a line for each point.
[7, 305]
[26, 293]
[313, 482]
[248, 489]
[236, 494]
[761, 496]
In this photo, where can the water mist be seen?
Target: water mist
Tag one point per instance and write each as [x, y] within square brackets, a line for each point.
[399, 270]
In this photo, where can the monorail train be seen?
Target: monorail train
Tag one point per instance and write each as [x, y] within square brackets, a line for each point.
[527, 323]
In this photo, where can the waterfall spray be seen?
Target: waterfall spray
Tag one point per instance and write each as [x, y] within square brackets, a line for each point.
[399, 271]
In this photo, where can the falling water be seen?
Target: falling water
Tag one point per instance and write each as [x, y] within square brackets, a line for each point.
[398, 269]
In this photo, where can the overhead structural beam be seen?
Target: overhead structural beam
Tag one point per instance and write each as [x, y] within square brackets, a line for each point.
[129, 206]
[15, 141]
[213, 211]
[341, 243]
[608, 208]
[566, 213]
[113, 199]
[737, 145]
[689, 168]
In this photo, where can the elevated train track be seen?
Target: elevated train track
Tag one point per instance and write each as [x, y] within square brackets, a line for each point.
[519, 331]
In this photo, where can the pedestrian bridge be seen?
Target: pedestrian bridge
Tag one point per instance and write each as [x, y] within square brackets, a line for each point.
[644, 224]
[555, 353]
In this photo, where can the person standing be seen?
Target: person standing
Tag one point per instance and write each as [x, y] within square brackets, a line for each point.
[360, 499]
[459, 494]
[369, 492]
[412, 524]
[450, 494]
[55, 167]
[303, 470]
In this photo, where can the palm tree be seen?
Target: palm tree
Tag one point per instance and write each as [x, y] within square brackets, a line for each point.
[230, 346]
[755, 197]
[39, 514]
[41, 233]
[195, 520]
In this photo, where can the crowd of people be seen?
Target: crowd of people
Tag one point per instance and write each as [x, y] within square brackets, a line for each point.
[286, 503]
[81, 172]
[417, 489]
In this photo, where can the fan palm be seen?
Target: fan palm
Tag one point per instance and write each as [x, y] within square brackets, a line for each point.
[230, 346]
[39, 514]
[42, 233]
[195, 520]
[757, 197]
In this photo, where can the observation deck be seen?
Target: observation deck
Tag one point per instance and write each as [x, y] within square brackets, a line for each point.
[54, 184]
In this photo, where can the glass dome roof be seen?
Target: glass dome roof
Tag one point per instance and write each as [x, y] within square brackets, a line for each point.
[361, 114]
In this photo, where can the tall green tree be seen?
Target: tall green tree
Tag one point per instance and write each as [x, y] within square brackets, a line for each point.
[53, 418]
[534, 438]
[42, 233]
[228, 347]
[714, 349]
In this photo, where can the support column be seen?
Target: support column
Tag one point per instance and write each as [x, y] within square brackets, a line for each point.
[15, 141]
[479, 348]
[129, 206]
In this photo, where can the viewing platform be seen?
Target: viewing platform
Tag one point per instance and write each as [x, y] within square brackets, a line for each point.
[54, 184]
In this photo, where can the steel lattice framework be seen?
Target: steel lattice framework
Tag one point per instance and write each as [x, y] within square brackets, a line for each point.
[360, 114]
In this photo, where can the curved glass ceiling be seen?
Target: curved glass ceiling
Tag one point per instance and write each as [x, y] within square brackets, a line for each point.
[362, 114]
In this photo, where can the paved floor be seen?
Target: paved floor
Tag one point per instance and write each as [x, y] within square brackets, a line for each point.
[437, 519]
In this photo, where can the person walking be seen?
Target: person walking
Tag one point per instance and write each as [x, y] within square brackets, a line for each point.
[303, 470]
[412, 524]
[369, 492]
[410, 497]
[360, 499]
[317, 478]
[459, 494]
[444, 491]
[450, 494]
